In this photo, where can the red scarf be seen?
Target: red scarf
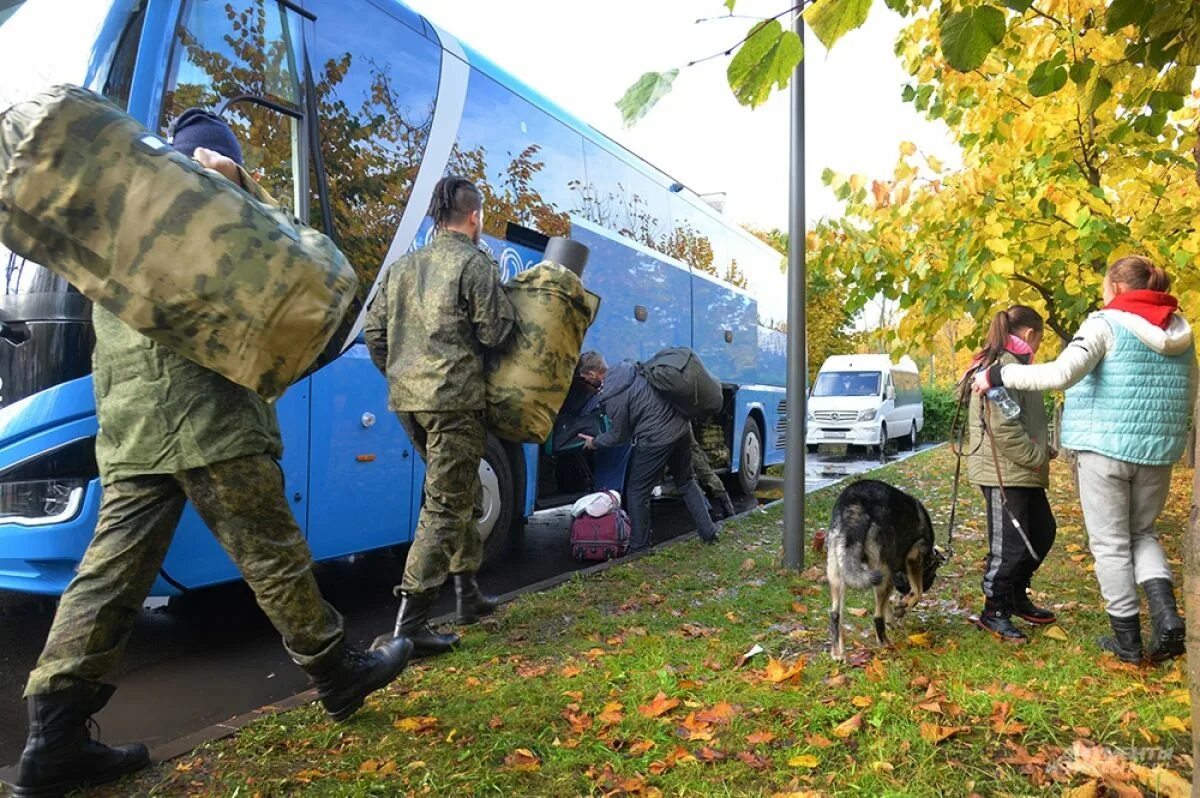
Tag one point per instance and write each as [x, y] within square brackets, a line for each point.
[1155, 307]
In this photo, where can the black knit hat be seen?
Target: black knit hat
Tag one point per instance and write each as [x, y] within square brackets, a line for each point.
[197, 127]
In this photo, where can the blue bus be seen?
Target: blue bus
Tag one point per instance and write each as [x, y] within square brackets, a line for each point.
[349, 111]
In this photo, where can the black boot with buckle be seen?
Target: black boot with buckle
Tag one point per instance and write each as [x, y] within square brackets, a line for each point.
[60, 754]
[1167, 632]
[348, 676]
[472, 604]
[996, 619]
[413, 622]
[1023, 607]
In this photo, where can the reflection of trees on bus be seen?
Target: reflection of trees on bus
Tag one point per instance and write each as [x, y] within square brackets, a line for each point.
[372, 147]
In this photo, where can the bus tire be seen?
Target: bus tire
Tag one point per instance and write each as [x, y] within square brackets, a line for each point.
[498, 481]
[750, 458]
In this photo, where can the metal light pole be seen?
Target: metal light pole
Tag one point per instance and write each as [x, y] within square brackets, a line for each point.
[797, 351]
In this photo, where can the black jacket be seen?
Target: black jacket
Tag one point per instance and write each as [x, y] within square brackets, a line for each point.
[637, 411]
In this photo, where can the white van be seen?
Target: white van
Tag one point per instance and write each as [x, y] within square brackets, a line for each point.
[865, 400]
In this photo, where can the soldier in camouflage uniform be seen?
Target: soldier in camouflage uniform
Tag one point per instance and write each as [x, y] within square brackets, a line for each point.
[710, 482]
[172, 431]
[436, 312]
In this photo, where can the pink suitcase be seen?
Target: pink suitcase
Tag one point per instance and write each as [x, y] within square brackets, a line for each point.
[600, 538]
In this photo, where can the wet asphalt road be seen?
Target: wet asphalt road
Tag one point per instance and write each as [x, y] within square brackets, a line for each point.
[212, 655]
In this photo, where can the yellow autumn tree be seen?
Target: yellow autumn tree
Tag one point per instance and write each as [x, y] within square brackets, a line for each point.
[1058, 179]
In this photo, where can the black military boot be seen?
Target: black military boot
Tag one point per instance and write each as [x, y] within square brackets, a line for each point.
[1023, 607]
[997, 620]
[1167, 634]
[413, 622]
[350, 675]
[1126, 641]
[472, 604]
[60, 754]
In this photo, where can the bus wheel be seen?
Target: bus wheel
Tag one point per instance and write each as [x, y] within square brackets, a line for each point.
[499, 498]
[751, 462]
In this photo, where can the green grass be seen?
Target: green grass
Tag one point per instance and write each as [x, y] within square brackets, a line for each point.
[544, 699]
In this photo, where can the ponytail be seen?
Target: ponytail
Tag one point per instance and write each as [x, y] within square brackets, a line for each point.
[454, 199]
[1136, 272]
[1004, 324]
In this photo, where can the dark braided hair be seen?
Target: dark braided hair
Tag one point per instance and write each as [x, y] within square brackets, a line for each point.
[454, 199]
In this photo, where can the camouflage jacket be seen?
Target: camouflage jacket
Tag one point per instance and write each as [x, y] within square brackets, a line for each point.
[160, 413]
[436, 312]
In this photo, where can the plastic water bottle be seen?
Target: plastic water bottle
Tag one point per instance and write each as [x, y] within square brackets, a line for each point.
[1004, 403]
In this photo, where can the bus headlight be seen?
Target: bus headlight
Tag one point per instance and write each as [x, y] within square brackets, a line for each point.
[48, 488]
[867, 415]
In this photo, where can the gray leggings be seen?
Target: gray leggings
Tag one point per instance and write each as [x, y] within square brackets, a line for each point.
[1121, 501]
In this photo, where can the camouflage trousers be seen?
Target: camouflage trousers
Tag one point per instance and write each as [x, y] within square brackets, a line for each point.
[708, 479]
[242, 502]
[447, 540]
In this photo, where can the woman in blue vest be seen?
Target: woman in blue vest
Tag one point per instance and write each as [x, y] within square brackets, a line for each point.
[1130, 372]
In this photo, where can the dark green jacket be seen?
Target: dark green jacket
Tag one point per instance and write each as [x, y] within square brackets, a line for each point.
[435, 313]
[160, 413]
[1022, 444]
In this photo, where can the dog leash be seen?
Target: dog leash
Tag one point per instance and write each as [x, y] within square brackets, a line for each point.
[983, 403]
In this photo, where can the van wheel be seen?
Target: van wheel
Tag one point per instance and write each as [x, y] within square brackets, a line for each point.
[883, 443]
[912, 437]
[499, 498]
[750, 464]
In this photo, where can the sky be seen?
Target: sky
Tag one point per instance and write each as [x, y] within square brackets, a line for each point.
[585, 55]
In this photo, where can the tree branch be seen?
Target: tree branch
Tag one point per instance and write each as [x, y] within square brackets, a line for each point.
[729, 51]
[1044, 15]
[1052, 313]
[1196, 151]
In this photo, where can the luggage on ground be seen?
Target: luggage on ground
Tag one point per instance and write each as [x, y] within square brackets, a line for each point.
[680, 377]
[528, 380]
[175, 251]
[600, 538]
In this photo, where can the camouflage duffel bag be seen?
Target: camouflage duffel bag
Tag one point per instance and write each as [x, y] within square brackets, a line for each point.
[528, 380]
[175, 251]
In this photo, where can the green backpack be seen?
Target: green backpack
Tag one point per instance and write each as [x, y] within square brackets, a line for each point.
[680, 377]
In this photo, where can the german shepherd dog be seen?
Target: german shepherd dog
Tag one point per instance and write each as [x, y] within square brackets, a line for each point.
[879, 537]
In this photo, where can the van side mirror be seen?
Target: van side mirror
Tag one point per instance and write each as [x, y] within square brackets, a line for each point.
[889, 392]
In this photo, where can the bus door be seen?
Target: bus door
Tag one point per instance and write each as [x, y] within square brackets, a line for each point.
[244, 59]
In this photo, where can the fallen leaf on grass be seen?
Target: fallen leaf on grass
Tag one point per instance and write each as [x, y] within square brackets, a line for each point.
[695, 630]
[848, 726]
[679, 754]
[641, 747]
[804, 761]
[930, 706]
[882, 767]
[532, 671]
[695, 730]
[858, 612]
[523, 759]
[570, 671]
[1173, 723]
[496, 722]
[862, 701]
[416, 724]
[1166, 783]
[934, 733]
[921, 639]
[369, 766]
[719, 713]
[748, 564]
[1074, 547]
[778, 672]
[799, 609]
[754, 650]
[612, 714]
[658, 706]
[760, 737]
[707, 754]
[1055, 632]
[837, 680]
[1090, 789]
[875, 671]
[819, 740]
[752, 760]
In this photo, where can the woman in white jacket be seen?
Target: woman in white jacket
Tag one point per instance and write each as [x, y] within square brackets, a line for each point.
[1130, 375]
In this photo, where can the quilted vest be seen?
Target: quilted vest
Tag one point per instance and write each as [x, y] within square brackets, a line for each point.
[1133, 406]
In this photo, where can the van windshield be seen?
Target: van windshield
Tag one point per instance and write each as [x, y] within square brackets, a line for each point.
[847, 383]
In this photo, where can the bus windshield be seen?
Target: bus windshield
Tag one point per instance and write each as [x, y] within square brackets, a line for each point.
[8, 8]
[847, 383]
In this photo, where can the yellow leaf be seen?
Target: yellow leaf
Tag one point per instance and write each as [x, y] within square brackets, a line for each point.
[778, 672]
[369, 766]
[611, 713]
[804, 761]
[882, 767]
[523, 759]
[862, 701]
[416, 724]
[934, 733]
[1175, 724]
[934, 164]
[1089, 790]
[660, 705]
[1004, 265]
[1056, 632]
[857, 182]
[997, 245]
[921, 639]
[908, 148]
[849, 726]
[1163, 782]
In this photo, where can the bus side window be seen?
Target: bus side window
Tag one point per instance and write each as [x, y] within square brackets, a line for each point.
[247, 53]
